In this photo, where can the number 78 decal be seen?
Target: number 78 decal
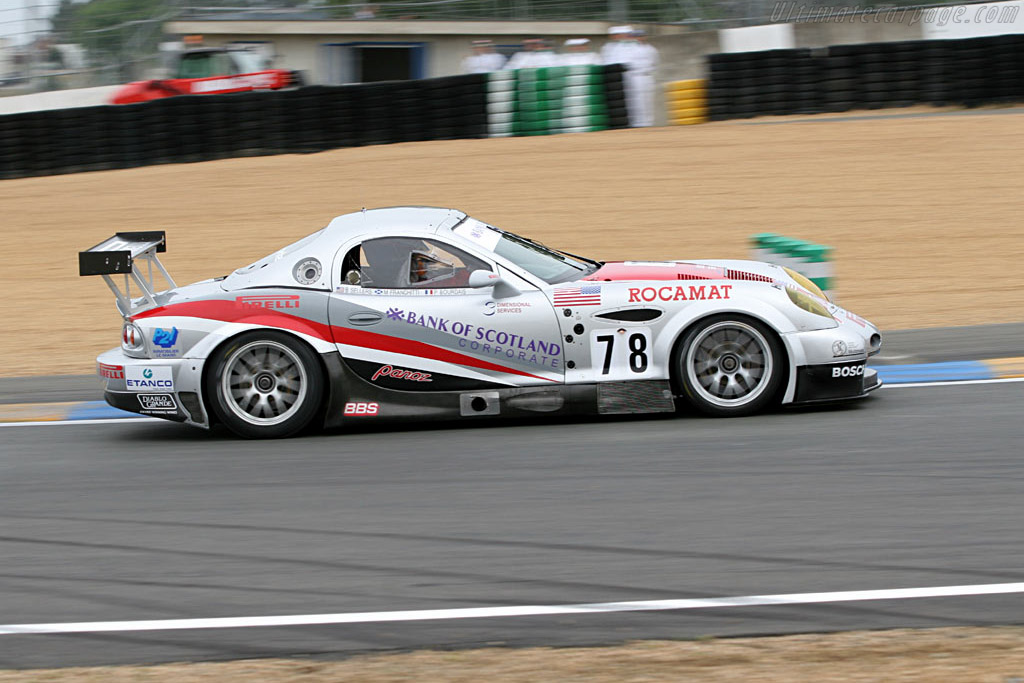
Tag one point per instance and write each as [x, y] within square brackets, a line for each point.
[621, 354]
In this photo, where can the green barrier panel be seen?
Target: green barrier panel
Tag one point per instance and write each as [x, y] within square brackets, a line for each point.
[561, 99]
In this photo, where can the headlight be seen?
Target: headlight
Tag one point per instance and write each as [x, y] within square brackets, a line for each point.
[808, 303]
[806, 283]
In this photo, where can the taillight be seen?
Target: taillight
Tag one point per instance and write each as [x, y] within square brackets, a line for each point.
[131, 337]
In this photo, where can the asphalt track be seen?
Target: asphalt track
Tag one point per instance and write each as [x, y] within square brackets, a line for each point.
[914, 487]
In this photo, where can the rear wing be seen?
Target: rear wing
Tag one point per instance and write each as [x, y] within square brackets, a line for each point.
[123, 254]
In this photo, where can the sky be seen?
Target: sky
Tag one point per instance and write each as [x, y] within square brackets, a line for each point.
[16, 18]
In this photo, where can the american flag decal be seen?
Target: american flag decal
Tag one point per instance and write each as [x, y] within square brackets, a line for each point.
[587, 295]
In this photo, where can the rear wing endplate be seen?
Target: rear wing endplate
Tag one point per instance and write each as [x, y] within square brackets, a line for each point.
[123, 254]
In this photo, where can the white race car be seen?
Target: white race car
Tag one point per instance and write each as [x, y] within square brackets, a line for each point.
[422, 313]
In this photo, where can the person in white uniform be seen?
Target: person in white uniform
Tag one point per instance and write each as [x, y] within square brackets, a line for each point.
[483, 59]
[578, 52]
[646, 65]
[641, 61]
[534, 55]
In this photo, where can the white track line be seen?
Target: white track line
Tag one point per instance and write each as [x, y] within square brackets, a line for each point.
[513, 610]
[951, 383]
[140, 420]
[99, 421]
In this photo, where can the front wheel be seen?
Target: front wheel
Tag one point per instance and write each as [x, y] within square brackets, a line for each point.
[265, 385]
[729, 366]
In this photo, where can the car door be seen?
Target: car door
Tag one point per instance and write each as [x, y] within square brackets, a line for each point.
[405, 318]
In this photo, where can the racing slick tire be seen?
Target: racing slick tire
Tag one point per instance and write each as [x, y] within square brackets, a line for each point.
[265, 384]
[728, 366]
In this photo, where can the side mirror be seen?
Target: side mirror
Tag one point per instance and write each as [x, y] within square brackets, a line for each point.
[503, 289]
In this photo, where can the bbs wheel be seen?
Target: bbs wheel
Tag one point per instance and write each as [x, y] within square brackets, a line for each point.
[265, 384]
[729, 366]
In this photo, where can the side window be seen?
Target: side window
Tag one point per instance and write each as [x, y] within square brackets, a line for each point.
[223, 65]
[196, 65]
[409, 263]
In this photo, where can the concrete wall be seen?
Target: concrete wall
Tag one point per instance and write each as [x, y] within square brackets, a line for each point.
[57, 99]
[863, 29]
[682, 57]
[444, 53]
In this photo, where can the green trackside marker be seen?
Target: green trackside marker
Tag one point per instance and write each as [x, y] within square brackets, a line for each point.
[816, 264]
[782, 251]
[762, 245]
[814, 261]
[814, 253]
[793, 247]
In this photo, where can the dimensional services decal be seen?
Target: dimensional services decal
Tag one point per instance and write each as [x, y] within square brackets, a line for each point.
[501, 307]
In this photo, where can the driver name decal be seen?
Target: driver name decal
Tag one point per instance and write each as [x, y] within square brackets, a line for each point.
[679, 293]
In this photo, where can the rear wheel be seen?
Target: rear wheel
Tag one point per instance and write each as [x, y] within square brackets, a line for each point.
[729, 366]
[265, 384]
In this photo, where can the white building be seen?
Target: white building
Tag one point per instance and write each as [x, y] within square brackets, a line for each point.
[360, 51]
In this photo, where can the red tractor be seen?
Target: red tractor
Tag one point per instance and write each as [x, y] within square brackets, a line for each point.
[208, 71]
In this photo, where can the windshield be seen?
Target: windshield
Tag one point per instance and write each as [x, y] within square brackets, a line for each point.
[248, 62]
[207, 64]
[548, 264]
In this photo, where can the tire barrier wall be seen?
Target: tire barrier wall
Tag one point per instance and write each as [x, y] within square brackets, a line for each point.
[687, 102]
[813, 261]
[558, 99]
[839, 78]
[205, 127]
[311, 119]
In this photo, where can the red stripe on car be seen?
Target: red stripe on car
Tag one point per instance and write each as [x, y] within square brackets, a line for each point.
[382, 342]
[232, 312]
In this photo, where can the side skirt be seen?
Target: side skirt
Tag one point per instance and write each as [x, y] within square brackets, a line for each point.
[353, 399]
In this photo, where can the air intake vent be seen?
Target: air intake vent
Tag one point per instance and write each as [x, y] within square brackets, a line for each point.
[190, 401]
[753, 277]
[650, 396]
[632, 315]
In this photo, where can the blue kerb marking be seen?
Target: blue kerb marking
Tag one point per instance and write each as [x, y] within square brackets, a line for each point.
[97, 410]
[934, 372]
